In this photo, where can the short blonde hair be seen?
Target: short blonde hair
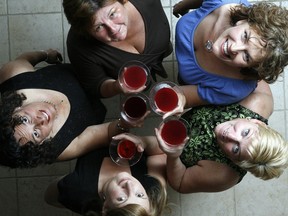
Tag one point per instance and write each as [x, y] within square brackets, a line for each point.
[268, 154]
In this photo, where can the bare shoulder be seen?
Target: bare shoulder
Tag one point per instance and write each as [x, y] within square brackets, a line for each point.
[260, 101]
[14, 68]
[157, 166]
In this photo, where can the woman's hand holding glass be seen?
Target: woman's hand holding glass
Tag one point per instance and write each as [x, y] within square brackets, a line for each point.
[178, 111]
[133, 77]
[126, 149]
[176, 151]
[172, 136]
[167, 99]
[140, 145]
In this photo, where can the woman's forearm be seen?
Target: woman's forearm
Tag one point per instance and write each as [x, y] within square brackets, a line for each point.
[175, 171]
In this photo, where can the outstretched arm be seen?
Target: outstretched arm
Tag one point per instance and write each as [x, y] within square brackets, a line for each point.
[260, 100]
[184, 6]
[93, 137]
[26, 62]
[205, 176]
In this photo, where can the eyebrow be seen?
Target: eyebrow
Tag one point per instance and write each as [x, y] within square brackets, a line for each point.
[23, 137]
[144, 198]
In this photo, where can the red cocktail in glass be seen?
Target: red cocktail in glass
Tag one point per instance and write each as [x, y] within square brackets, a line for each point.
[124, 152]
[174, 132]
[126, 149]
[134, 107]
[134, 75]
[164, 97]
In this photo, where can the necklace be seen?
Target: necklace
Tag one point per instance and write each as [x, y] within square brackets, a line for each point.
[209, 45]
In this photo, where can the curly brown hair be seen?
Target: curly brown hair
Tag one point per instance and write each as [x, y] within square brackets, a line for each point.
[271, 23]
[12, 154]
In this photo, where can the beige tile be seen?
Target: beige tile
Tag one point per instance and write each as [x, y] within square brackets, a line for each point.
[256, 197]
[32, 6]
[61, 168]
[31, 198]
[174, 204]
[4, 41]
[7, 172]
[35, 32]
[66, 27]
[277, 89]
[214, 204]
[3, 7]
[8, 197]
[285, 75]
[113, 107]
[286, 123]
[277, 122]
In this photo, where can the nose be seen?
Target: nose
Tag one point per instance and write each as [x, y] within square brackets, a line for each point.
[232, 137]
[237, 47]
[40, 120]
[111, 26]
[129, 187]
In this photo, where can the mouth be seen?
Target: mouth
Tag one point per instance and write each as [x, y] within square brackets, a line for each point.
[47, 117]
[226, 132]
[225, 49]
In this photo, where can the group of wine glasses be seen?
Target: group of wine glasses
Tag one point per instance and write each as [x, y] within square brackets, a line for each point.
[163, 98]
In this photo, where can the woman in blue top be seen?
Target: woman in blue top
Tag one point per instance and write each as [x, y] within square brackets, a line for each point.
[225, 47]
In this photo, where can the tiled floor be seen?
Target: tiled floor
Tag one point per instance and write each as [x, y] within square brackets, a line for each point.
[38, 24]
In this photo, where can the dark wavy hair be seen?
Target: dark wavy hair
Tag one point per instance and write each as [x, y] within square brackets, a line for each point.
[271, 23]
[79, 13]
[12, 154]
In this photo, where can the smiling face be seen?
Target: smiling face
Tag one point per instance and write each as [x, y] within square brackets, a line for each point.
[37, 122]
[239, 46]
[110, 23]
[124, 189]
[235, 136]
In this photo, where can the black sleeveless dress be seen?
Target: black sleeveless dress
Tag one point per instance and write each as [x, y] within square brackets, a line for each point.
[60, 78]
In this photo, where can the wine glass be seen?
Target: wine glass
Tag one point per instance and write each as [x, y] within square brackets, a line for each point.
[134, 107]
[124, 152]
[134, 75]
[164, 97]
[173, 131]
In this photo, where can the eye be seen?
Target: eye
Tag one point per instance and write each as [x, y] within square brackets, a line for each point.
[246, 57]
[140, 195]
[99, 28]
[112, 15]
[245, 132]
[24, 119]
[121, 199]
[246, 36]
[235, 149]
[36, 134]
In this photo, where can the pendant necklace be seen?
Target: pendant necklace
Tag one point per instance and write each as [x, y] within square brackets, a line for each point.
[209, 45]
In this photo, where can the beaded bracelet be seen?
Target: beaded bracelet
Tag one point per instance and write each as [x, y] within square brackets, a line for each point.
[46, 55]
[121, 128]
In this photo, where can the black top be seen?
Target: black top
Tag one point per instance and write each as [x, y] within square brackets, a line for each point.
[81, 186]
[96, 61]
[60, 78]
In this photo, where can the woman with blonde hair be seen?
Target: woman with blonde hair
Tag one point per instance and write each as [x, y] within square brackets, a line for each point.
[224, 143]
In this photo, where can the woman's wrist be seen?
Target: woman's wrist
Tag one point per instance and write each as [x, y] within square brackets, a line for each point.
[46, 55]
[122, 126]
